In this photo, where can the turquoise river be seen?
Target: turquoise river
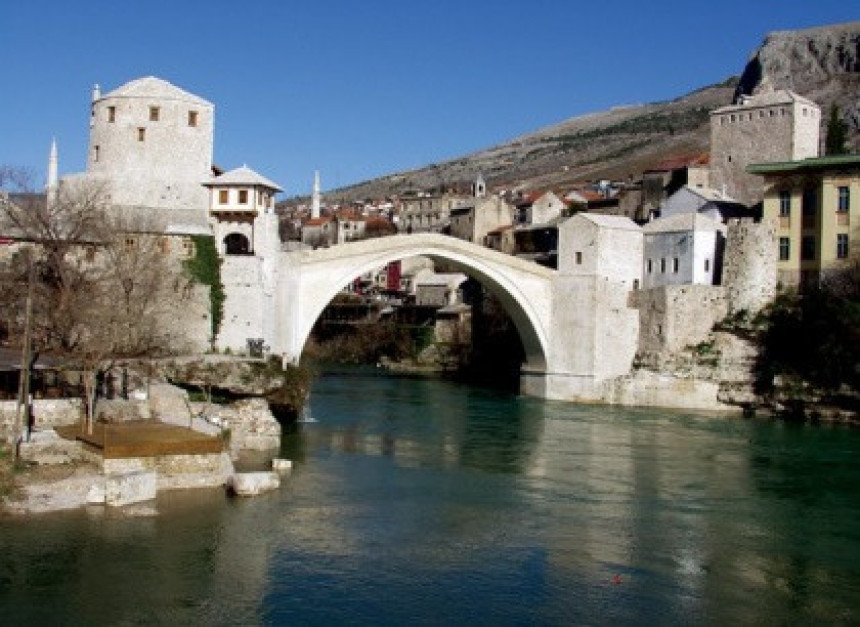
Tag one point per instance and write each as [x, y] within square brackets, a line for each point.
[423, 502]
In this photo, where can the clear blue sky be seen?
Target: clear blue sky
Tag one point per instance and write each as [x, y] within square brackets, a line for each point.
[361, 88]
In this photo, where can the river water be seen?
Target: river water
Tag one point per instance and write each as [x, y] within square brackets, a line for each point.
[426, 502]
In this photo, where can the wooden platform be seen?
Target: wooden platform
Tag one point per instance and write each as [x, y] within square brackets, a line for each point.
[143, 439]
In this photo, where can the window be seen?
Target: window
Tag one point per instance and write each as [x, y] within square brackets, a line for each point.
[844, 199]
[141, 134]
[784, 203]
[188, 247]
[578, 258]
[707, 265]
[842, 246]
[650, 267]
[635, 284]
[243, 196]
[676, 264]
[164, 245]
[809, 202]
[784, 248]
[111, 114]
[192, 118]
[807, 248]
[130, 242]
[95, 153]
[154, 113]
[223, 196]
[663, 265]
[90, 253]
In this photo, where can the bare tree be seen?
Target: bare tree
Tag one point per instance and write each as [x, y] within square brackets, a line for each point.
[105, 285]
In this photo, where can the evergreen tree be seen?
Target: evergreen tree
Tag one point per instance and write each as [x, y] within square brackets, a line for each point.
[837, 132]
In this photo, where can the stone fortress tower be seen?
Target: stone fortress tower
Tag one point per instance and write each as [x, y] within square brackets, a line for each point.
[152, 143]
[768, 126]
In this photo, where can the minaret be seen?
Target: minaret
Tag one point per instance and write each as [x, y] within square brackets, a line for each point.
[315, 197]
[480, 187]
[51, 188]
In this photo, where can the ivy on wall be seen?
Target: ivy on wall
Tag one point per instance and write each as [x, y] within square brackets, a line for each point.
[205, 268]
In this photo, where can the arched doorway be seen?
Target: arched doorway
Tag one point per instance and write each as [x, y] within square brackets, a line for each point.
[236, 244]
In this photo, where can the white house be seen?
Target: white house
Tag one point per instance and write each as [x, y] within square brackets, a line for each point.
[236, 199]
[681, 250]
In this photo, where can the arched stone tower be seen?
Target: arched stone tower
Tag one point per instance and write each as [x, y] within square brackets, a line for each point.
[152, 143]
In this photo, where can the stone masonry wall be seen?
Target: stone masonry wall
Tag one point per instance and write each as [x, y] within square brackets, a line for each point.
[749, 265]
[673, 317]
[48, 413]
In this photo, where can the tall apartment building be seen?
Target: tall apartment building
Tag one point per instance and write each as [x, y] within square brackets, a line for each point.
[816, 206]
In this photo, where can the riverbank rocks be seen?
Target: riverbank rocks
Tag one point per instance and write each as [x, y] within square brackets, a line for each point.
[253, 483]
[251, 424]
[282, 465]
[130, 487]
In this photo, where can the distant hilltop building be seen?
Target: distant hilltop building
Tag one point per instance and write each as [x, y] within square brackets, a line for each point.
[770, 126]
[151, 144]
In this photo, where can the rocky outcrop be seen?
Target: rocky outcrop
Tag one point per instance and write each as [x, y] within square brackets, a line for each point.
[239, 377]
[250, 423]
[822, 64]
[253, 483]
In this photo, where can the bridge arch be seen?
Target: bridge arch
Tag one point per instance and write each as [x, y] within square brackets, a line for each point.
[522, 287]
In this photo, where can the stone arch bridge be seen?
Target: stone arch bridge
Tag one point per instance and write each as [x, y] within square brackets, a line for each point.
[575, 324]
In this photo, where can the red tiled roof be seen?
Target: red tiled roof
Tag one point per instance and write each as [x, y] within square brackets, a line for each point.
[317, 221]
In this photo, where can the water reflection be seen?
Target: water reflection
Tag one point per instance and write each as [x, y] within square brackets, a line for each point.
[426, 502]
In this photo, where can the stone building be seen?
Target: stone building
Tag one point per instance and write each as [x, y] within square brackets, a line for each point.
[814, 203]
[429, 214]
[237, 199]
[245, 227]
[151, 144]
[705, 201]
[769, 126]
[601, 263]
[472, 222]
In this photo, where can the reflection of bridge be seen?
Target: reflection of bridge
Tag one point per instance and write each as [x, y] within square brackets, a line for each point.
[574, 323]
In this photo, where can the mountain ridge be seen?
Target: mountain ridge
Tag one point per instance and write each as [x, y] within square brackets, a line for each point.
[821, 63]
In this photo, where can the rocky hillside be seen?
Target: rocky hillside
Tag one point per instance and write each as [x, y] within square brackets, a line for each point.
[820, 63]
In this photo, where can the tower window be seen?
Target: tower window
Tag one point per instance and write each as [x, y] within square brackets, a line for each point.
[111, 114]
[650, 266]
[95, 153]
[676, 264]
[578, 258]
[192, 118]
[141, 134]
[663, 265]
[154, 113]
[707, 265]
